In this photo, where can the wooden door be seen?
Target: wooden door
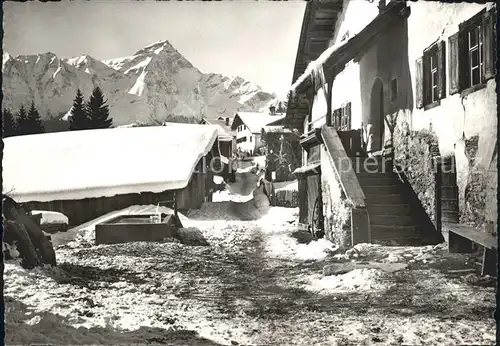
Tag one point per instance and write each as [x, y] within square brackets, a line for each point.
[313, 192]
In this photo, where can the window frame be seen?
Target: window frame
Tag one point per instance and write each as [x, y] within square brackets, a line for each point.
[430, 77]
[465, 75]
[342, 118]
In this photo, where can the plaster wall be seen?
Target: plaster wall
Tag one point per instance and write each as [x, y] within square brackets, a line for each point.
[470, 115]
[465, 125]
[246, 146]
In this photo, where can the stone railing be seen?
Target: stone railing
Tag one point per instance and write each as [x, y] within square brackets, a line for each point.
[346, 176]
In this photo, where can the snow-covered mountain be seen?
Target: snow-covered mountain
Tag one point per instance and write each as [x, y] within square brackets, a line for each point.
[155, 84]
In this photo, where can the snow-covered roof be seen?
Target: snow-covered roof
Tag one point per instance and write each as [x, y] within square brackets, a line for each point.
[275, 129]
[222, 134]
[107, 162]
[256, 121]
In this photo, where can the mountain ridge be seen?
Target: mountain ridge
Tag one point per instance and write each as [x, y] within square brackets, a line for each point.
[155, 84]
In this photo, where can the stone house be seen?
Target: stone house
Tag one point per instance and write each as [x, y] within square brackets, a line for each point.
[427, 106]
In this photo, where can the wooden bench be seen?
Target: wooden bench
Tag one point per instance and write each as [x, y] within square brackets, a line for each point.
[461, 239]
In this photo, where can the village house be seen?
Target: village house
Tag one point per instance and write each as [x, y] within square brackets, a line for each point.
[248, 127]
[407, 87]
[225, 136]
[86, 174]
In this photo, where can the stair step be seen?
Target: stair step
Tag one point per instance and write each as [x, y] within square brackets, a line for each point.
[388, 209]
[370, 165]
[415, 241]
[368, 179]
[381, 232]
[381, 190]
[391, 220]
[376, 198]
[376, 175]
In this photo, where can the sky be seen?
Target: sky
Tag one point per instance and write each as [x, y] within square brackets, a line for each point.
[254, 40]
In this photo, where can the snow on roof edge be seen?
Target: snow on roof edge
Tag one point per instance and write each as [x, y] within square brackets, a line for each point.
[109, 191]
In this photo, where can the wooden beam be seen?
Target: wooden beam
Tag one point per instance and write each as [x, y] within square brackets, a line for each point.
[323, 27]
[317, 35]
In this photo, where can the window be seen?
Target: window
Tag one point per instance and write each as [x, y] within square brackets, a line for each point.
[241, 140]
[430, 76]
[250, 139]
[341, 118]
[433, 69]
[313, 154]
[472, 53]
[474, 56]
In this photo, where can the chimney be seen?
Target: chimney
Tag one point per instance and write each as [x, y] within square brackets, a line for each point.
[272, 110]
[227, 121]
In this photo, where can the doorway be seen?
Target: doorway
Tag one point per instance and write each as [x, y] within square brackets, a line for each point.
[376, 117]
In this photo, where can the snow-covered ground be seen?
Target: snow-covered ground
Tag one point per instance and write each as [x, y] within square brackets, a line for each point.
[259, 282]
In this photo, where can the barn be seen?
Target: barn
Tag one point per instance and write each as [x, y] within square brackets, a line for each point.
[86, 174]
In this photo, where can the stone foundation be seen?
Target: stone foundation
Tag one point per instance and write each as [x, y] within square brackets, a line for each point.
[336, 208]
[414, 152]
[478, 184]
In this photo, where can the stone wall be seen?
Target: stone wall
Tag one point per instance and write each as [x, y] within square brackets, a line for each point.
[336, 209]
[414, 152]
[477, 185]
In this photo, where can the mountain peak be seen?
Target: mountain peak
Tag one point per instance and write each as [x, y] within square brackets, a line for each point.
[157, 47]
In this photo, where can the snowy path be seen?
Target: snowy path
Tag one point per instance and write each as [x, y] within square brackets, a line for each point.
[259, 283]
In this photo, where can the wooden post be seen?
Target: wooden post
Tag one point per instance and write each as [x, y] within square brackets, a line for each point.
[490, 261]
[329, 100]
[175, 205]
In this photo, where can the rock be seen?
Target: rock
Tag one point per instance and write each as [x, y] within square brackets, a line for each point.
[340, 258]
[392, 258]
[336, 269]
[351, 253]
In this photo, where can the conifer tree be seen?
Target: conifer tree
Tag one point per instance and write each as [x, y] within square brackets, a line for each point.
[33, 121]
[98, 111]
[22, 122]
[78, 119]
[9, 123]
[280, 109]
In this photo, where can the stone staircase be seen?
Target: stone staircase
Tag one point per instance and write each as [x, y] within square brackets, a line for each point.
[390, 213]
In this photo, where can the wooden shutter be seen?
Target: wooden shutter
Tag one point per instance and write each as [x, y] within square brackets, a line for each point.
[453, 64]
[348, 116]
[489, 46]
[419, 83]
[463, 57]
[441, 55]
